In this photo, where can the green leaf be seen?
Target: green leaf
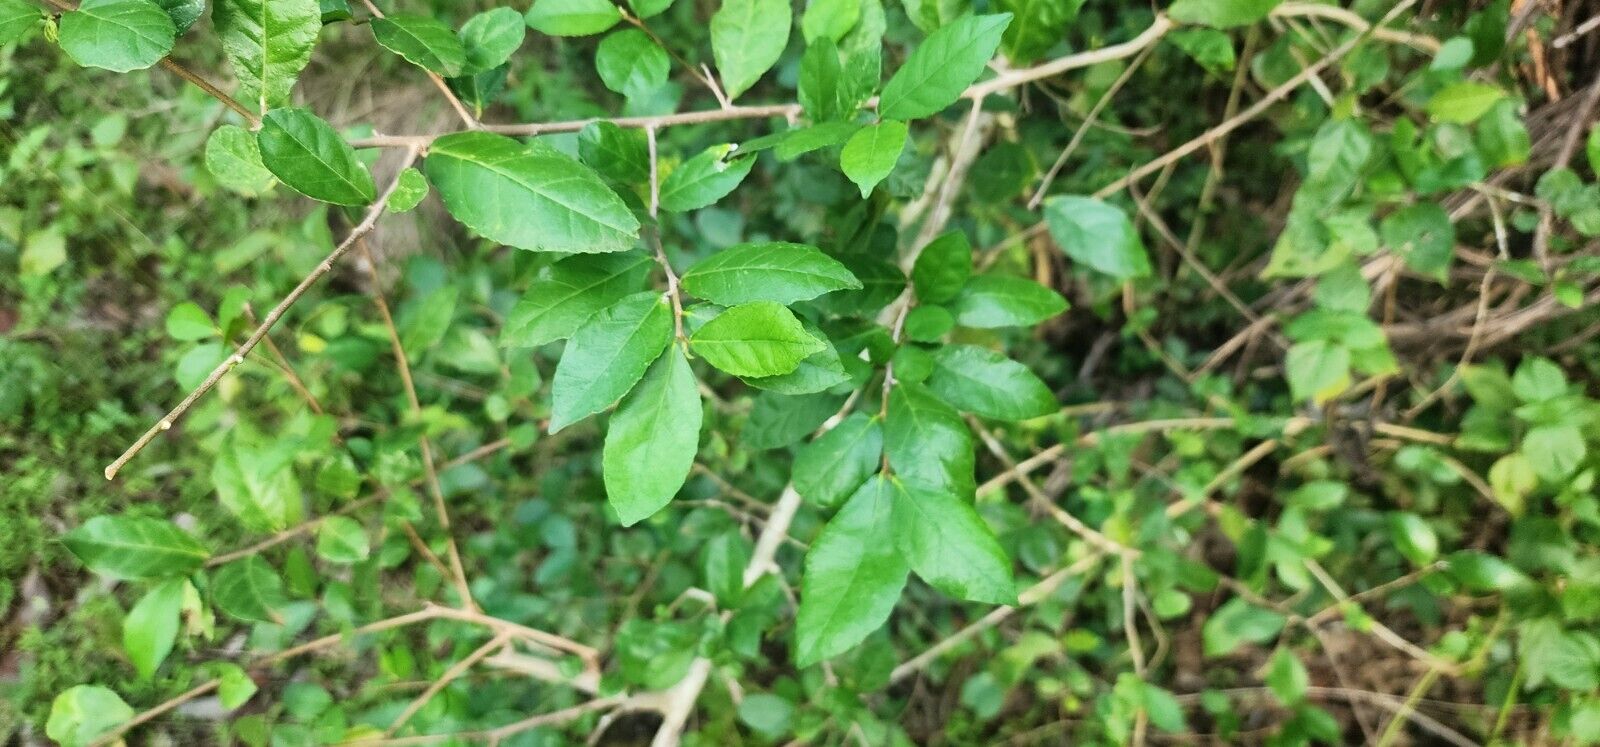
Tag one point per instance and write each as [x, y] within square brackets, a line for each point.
[819, 81]
[233, 157]
[829, 469]
[927, 442]
[18, 18]
[572, 17]
[1222, 14]
[704, 179]
[188, 322]
[617, 153]
[305, 153]
[131, 548]
[630, 63]
[649, 8]
[1097, 235]
[1591, 148]
[572, 291]
[257, 484]
[767, 271]
[151, 627]
[948, 544]
[1511, 480]
[819, 371]
[1554, 451]
[722, 562]
[334, 11]
[1502, 136]
[235, 686]
[81, 713]
[747, 37]
[991, 301]
[1036, 26]
[490, 38]
[1413, 537]
[117, 35]
[942, 268]
[1538, 380]
[1287, 677]
[1211, 48]
[1463, 102]
[871, 153]
[1317, 370]
[528, 197]
[779, 420]
[1423, 236]
[268, 43]
[652, 439]
[343, 540]
[423, 41]
[608, 355]
[853, 576]
[766, 714]
[985, 382]
[761, 338]
[410, 188]
[1482, 572]
[942, 67]
[830, 19]
[248, 589]
[1236, 623]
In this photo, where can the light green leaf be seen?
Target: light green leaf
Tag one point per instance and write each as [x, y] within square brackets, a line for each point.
[1511, 480]
[569, 294]
[1036, 26]
[829, 469]
[409, 190]
[948, 544]
[18, 18]
[1538, 379]
[985, 382]
[942, 268]
[830, 19]
[991, 301]
[490, 38]
[608, 355]
[1211, 48]
[853, 576]
[704, 179]
[233, 157]
[117, 35]
[342, 539]
[306, 154]
[942, 67]
[248, 589]
[257, 484]
[927, 442]
[235, 686]
[747, 37]
[1222, 14]
[761, 338]
[528, 197]
[1463, 102]
[819, 371]
[630, 63]
[131, 548]
[1097, 235]
[1317, 370]
[819, 81]
[1591, 148]
[1554, 451]
[649, 8]
[1413, 537]
[1236, 623]
[1423, 236]
[767, 271]
[151, 627]
[572, 17]
[1287, 677]
[188, 322]
[268, 43]
[652, 439]
[81, 713]
[871, 153]
[423, 41]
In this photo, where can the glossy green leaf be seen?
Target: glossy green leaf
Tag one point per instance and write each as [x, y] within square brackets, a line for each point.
[767, 271]
[83, 712]
[652, 439]
[572, 17]
[990, 301]
[1097, 235]
[818, 372]
[423, 41]
[982, 381]
[942, 67]
[608, 355]
[341, 539]
[704, 179]
[234, 158]
[410, 188]
[871, 153]
[151, 627]
[630, 63]
[268, 43]
[490, 38]
[1222, 14]
[948, 545]
[853, 576]
[571, 292]
[129, 548]
[830, 469]
[927, 441]
[942, 268]
[306, 154]
[761, 338]
[248, 589]
[528, 197]
[747, 37]
[117, 35]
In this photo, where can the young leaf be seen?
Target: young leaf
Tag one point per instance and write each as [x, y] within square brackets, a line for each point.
[630, 63]
[305, 153]
[607, 356]
[747, 37]
[342, 539]
[819, 371]
[235, 686]
[572, 17]
[982, 381]
[1097, 235]
[704, 179]
[1287, 677]
[1221, 14]
[151, 627]
[83, 712]
[268, 43]
[948, 61]
[410, 188]
[117, 35]
[853, 576]
[1464, 102]
[831, 468]
[188, 322]
[573, 290]
[490, 38]
[927, 442]
[248, 589]
[528, 197]
[761, 338]
[942, 268]
[233, 157]
[131, 548]
[990, 301]
[871, 153]
[768, 271]
[423, 41]
[948, 544]
[652, 439]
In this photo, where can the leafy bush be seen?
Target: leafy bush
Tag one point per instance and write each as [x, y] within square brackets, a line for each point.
[831, 374]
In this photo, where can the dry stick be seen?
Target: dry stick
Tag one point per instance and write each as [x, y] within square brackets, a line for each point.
[450, 675]
[1083, 128]
[455, 103]
[277, 312]
[292, 532]
[493, 736]
[653, 237]
[1089, 534]
[284, 365]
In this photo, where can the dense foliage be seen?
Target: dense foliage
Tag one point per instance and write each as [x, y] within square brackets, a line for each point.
[972, 372]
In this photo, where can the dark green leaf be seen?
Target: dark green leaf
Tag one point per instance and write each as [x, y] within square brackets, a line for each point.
[608, 355]
[129, 548]
[652, 439]
[117, 35]
[942, 268]
[949, 545]
[306, 154]
[569, 294]
[769, 271]
[988, 383]
[829, 469]
[853, 576]
[937, 72]
[268, 43]
[248, 589]
[423, 41]
[704, 179]
[927, 442]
